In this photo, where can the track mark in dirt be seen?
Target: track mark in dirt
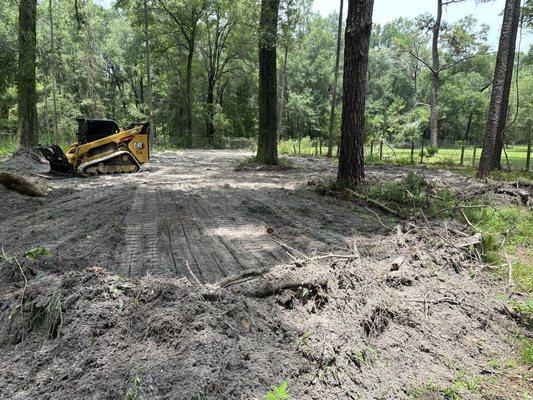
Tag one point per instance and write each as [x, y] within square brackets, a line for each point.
[140, 254]
[246, 237]
[168, 232]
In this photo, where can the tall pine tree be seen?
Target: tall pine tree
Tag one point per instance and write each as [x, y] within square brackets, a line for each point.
[356, 47]
[499, 101]
[267, 146]
[27, 95]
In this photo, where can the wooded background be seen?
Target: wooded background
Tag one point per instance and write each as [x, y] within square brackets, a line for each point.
[204, 61]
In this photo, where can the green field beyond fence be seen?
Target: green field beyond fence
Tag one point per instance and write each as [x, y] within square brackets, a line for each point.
[407, 153]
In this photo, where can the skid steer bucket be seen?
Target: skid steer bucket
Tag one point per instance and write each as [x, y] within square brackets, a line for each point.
[57, 159]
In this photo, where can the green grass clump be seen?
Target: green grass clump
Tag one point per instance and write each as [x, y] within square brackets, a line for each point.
[134, 384]
[516, 223]
[412, 194]
[37, 252]
[523, 273]
[431, 389]
[251, 163]
[278, 393]
[526, 353]
[51, 318]
[462, 384]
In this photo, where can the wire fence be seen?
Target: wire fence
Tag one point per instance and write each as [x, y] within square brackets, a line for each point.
[516, 157]
[466, 154]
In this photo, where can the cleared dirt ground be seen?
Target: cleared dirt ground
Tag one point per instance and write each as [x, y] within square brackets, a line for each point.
[184, 208]
[134, 257]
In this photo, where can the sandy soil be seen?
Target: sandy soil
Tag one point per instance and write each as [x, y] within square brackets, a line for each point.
[186, 208]
[125, 249]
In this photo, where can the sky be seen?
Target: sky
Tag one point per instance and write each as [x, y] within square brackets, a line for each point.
[386, 10]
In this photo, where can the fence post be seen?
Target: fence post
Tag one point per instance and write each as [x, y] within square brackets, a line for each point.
[474, 157]
[371, 147]
[412, 152]
[462, 155]
[316, 148]
[422, 153]
[320, 147]
[381, 150]
[528, 156]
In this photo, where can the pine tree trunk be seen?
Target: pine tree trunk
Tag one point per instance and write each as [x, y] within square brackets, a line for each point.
[188, 90]
[267, 149]
[46, 125]
[415, 89]
[356, 47]
[335, 83]
[55, 139]
[468, 126]
[27, 94]
[500, 89]
[435, 76]
[496, 159]
[151, 115]
[283, 90]
[91, 64]
[211, 104]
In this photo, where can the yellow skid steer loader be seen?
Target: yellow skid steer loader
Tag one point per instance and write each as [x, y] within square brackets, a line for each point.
[102, 148]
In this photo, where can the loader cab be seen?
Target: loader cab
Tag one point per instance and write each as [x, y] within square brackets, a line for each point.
[91, 129]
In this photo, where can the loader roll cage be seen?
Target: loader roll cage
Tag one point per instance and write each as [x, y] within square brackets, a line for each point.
[91, 129]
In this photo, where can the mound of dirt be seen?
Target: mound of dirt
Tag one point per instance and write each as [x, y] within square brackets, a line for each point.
[333, 326]
[26, 162]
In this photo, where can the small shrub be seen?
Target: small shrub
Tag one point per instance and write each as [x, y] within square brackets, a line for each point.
[33, 254]
[491, 247]
[404, 161]
[413, 189]
[431, 151]
[373, 159]
[245, 163]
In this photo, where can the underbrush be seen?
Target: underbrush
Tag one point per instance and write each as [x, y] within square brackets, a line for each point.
[412, 195]
[7, 147]
[506, 239]
[505, 230]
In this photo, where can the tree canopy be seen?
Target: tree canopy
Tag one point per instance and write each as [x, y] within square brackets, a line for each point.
[204, 58]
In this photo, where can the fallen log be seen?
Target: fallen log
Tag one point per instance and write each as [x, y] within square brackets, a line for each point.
[28, 185]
